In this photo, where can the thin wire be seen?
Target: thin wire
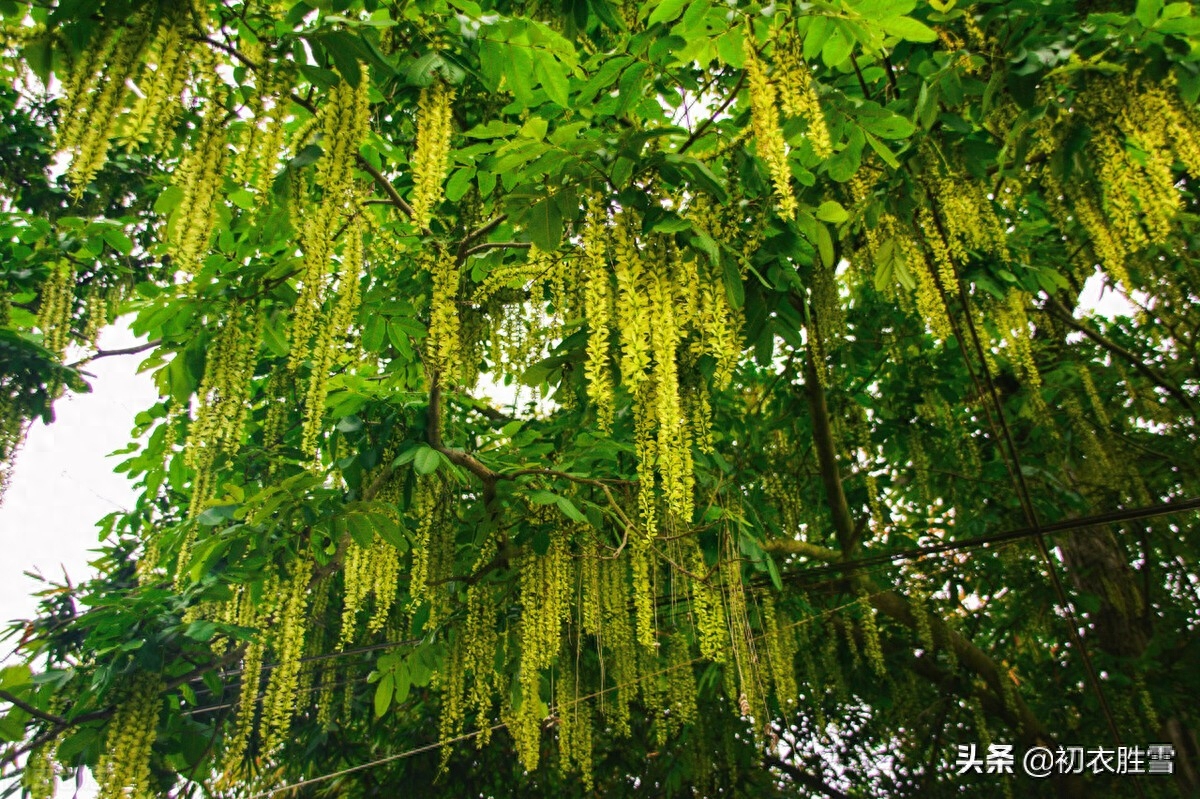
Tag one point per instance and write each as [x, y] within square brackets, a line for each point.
[558, 708]
[261, 695]
[806, 577]
[1040, 538]
[1131, 514]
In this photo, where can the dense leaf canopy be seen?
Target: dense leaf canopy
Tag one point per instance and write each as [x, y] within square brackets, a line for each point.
[586, 398]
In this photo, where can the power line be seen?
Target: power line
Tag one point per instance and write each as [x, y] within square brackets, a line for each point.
[801, 577]
[1111, 517]
[558, 708]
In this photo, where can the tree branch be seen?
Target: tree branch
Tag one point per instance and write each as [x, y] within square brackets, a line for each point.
[791, 546]
[149, 345]
[381, 180]
[492, 245]
[707, 123]
[5, 696]
[1056, 309]
[804, 778]
[843, 521]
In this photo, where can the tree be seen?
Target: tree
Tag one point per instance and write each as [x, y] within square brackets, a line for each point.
[817, 468]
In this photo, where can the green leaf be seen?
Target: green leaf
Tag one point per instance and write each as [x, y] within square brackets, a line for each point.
[883, 151]
[1148, 11]
[426, 460]
[832, 211]
[15, 676]
[890, 126]
[117, 240]
[494, 129]
[201, 630]
[735, 292]
[570, 511]
[838, 45]
[384, 692]
[665, 11]
[543, 497]
[907, 28]
[545, 224]
[553, 76]
[361, 529]
[403, 683]
[825, 246]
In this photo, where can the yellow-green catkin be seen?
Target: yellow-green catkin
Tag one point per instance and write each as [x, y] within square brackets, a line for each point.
[40, 776]
[344, 119]
[1014, 325]
[970, 220]
[929, 296]
[250, 614]
[289, 626]
[430, 159]
[641, 564]
[598, 310]
[444, 349]
[198, 180]
[708, 609]
[574, 726]
[798, 94]
[633, 310]
[95, 96]
[780, 645]
[56, 304]
[123, 771]
[332, 337]
[545, 591]
[223, 399]
[481, 636]
[871, 641]
[768, 135]
[673, 448]
[619, 664]
[155, 113]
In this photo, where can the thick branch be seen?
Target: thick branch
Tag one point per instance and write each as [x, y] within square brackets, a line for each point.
[969, 655]
[481, 231]
[843, 522]
[433, 434]
[708, 120]
[789, 546]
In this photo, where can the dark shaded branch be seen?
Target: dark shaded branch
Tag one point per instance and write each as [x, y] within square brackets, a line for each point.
[1057, 310]
[704, 126]
[839, 509]
[803, 777]
[481, 231]
[15, 701]
[382, 182]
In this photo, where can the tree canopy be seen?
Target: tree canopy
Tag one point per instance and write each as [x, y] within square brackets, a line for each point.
[811, 467]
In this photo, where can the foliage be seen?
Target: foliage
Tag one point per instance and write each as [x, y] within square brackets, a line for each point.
[789, 300]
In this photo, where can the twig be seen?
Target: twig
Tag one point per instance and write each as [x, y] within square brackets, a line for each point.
[5, 696]
[493, 245]
[149, 345]
[704, 126]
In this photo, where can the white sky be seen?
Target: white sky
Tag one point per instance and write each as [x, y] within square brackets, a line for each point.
[62, 483]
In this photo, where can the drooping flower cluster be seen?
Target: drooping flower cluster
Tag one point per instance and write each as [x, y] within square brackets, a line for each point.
[768, 136]
[429, 161]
